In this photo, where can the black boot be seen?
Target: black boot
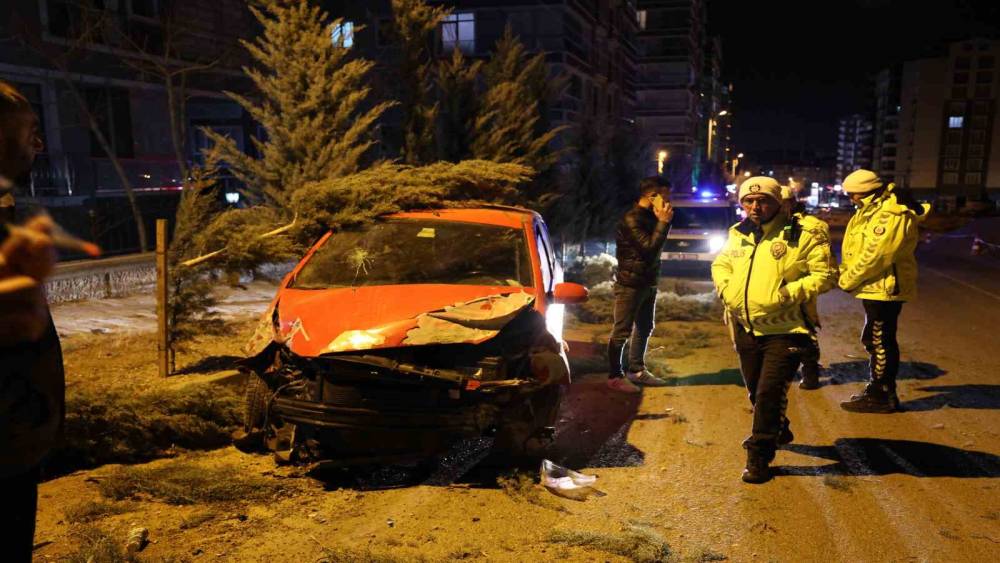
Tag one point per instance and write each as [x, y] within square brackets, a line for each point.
[810, 377]
[873, 400]
[785, 436]
[757, 470]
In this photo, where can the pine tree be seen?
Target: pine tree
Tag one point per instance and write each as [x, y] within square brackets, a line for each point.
[413, 25]
[311, 103]
[456, 81]
[510, 126]
[189, 308]
[357, 199]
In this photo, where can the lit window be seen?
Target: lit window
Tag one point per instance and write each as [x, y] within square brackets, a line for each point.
[459, 30]
[342, 34]
[641, 16]
[955, 122]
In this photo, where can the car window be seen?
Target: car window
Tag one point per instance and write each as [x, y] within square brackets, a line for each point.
[419, 252]
[707, 218]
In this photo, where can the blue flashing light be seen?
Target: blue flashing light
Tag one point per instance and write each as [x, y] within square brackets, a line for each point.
[706, 194]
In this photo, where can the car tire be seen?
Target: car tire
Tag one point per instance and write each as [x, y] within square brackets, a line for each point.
[256, 397]
[513, 440]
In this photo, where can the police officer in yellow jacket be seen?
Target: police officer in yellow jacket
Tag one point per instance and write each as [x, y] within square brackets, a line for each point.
[767, 270]
[821, 232]
[878, 267]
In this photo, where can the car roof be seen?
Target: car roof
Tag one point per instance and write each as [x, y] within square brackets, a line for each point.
[700, 203]
[499, 215]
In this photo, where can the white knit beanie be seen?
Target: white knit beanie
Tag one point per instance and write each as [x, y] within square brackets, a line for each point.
[760, 185]
[861, 182]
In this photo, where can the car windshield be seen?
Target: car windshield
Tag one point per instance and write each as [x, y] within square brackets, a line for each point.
[707, 218]
[403, 251]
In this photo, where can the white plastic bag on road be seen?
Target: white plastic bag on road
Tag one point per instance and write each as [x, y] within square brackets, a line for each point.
[567, 483]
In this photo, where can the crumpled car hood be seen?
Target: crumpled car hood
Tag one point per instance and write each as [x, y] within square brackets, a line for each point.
[316, 322]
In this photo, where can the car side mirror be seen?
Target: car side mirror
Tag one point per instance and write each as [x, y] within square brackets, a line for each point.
[569, 293]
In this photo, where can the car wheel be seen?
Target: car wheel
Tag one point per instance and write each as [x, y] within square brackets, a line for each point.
[526, 430]
[256, 398]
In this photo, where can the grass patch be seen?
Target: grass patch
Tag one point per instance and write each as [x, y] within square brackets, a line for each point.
[183, 482]
[637, 543]
[331, 555]
[115, 427]
[521, 487]
[91, 510]
[95, 545]
[674, 342]
[838, 483]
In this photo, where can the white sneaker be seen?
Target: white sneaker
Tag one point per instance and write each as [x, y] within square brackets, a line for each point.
[622, 385]
[646, 379]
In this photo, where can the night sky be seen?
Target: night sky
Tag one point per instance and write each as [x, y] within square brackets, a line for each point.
[797, 66]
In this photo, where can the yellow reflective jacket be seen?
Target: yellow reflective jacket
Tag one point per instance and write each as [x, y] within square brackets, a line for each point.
[877, 259]
[821, 232]
[749, 275]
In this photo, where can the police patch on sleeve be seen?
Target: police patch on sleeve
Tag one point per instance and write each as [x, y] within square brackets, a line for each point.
[879, 230]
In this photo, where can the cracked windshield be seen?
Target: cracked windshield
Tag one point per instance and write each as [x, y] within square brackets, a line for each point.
[419, 252]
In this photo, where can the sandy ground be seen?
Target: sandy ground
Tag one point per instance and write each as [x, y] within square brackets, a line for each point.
[921, 485]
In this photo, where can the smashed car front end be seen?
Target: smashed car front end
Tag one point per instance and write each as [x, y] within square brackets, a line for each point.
[409, 388]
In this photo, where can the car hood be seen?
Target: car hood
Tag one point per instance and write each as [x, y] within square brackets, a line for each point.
[317, 322]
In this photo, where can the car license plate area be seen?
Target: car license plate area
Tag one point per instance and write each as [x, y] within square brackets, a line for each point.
[681, 256]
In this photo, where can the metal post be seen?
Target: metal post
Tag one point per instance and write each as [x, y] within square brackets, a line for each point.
[162, 342]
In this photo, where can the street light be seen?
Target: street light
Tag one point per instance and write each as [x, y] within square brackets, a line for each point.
[661, 157]
[736, 162]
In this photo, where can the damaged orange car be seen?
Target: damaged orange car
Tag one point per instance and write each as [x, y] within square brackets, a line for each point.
[393, 341]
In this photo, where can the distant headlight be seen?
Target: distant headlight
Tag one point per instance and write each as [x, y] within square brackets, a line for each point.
[715, 244]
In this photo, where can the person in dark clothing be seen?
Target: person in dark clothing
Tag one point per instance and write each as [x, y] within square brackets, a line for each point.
[640, 237]
[31, 371]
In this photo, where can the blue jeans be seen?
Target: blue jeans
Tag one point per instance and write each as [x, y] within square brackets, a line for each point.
[635, 310]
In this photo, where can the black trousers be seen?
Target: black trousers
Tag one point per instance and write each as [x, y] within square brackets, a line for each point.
[635, 311]
[768, 365]
[879, 338]
[17, 518]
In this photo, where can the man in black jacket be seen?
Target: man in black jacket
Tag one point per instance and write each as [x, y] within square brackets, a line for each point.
[640, 237]
[31, 369]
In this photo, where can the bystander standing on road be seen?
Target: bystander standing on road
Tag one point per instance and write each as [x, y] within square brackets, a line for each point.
[31, 369]
[764, 274]
[879, 268]
[640, 237]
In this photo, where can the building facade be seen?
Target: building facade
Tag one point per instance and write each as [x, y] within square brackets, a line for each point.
[83, 67]
[592, 44]
[948, 142]
[672, 63]
[854, 144]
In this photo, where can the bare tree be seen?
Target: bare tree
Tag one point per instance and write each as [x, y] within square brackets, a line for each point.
[62, 57]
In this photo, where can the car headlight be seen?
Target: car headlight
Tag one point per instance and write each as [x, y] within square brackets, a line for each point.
[355, 340]
[715, 244]
[554, 320]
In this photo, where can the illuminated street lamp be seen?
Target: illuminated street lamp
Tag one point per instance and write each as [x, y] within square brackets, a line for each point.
[736, 162]
[661, 157]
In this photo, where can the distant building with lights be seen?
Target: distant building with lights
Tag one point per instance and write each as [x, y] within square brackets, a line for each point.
[947, 145]
[854, 144]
